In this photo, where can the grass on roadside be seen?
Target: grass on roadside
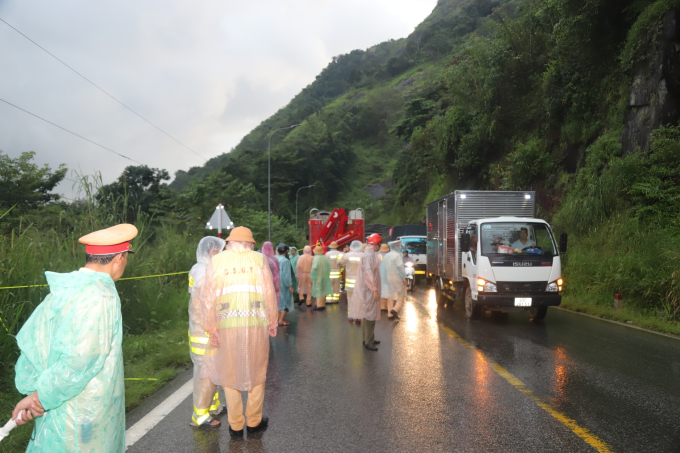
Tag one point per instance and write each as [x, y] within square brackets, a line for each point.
[160, 355]
[630, 314]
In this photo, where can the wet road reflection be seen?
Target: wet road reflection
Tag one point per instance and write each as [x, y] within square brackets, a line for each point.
[616, 381]
[425, 390]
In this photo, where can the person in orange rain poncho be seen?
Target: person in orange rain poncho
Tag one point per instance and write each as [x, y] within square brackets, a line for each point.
[239, 312]
[303, 269]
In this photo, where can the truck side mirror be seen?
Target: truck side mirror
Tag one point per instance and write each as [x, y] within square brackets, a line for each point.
[465, 243]
[563, 243]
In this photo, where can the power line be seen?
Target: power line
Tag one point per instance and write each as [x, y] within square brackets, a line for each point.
[100, 88]
[70, 132]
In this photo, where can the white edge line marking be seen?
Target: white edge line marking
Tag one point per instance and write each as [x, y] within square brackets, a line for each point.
[143, 426]
[644, 329]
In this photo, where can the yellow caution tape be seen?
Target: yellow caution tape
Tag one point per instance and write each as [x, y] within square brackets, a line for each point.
[139, 379]
[151, 276]
[121, 279]
[3, 325]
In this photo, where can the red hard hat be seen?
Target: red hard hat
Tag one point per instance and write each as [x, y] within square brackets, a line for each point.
[374, 239]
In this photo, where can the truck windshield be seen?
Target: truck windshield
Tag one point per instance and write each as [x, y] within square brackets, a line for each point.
[414, 246]
[517, 237]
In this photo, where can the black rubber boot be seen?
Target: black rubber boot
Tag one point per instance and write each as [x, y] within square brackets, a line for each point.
[263, 424]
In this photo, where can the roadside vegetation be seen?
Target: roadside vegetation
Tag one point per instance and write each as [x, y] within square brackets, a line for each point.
[40, 233]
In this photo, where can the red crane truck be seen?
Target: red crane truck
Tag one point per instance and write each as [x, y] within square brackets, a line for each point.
[341, 226]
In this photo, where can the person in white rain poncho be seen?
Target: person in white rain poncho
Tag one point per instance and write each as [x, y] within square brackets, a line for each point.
[206, 396]
[71, 362]
[393, 279]
[351, 262]
[367, 291]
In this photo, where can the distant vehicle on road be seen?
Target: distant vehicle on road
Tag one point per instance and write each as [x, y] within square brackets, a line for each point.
[488, 249]
[414, 241]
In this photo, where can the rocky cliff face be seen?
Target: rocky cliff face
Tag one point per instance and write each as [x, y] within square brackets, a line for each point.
[654, 98]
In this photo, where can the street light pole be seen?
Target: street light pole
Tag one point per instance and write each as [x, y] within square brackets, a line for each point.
[269, 178]
[296, 204]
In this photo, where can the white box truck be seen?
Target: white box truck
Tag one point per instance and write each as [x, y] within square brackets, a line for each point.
[488, 249]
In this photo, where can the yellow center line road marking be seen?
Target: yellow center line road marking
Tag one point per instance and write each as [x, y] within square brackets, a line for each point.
[581, 432]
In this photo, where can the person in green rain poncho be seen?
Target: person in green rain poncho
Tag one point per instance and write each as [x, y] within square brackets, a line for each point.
[321, 278]
[294, 256]
[71, 362]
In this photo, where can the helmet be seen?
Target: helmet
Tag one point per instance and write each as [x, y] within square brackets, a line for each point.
[374, 239]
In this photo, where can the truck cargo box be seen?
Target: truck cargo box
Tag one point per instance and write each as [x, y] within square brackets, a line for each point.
[451, 213]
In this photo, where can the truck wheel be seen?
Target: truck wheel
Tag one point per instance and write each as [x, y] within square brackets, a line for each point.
[538, 313]
[459, 292]
[472, 310]
[438, 293]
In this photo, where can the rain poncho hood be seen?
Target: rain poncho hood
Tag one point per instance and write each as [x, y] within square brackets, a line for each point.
[71, 354]
[392, 275]
[368, 280]
[268, 252]
[321, 276]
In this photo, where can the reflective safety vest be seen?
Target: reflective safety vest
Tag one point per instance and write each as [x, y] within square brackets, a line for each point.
[198, 344]
[352, 262]
[334, 256]
[239, 290]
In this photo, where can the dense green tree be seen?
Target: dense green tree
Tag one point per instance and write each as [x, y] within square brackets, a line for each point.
[26, 185]
[137, 187]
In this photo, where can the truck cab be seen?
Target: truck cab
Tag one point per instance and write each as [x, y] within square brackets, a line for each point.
[416, 246]
[510, 264]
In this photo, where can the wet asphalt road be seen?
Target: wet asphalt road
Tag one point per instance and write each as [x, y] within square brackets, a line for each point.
[427, 391]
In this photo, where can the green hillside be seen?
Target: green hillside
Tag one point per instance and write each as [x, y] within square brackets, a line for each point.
[348, 139]
[574, 99]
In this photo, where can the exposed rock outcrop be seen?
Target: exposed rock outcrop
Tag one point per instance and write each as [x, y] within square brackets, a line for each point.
[378, 189]
[654, 97]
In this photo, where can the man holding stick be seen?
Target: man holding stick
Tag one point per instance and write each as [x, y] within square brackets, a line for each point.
[71, 363]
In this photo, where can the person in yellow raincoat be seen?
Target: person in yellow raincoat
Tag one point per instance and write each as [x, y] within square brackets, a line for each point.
[71, 362]
[206, 397]
[334, 255]
[239, 312]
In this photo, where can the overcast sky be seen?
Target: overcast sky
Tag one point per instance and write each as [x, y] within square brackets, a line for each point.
[206, 72]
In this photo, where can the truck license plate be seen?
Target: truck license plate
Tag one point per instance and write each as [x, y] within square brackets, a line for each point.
[522, 301]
